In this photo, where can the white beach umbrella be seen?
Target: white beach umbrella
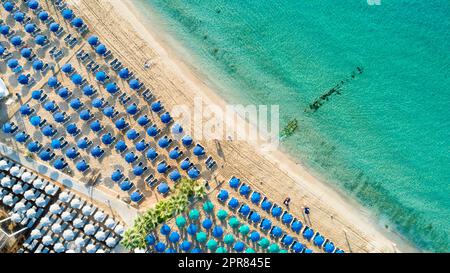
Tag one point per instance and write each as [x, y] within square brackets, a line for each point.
[70, 251]
[101, 236]
[59, 248]
[36, 234]
[110, 223]
[91, 248]
[80, 242]
[20, 207]
[55, 209]
[16, 218]
[45, 221]
[38, 184]
[3, 165]
[89, 229]
[100, 250]
[31, 213]
[78, 223]
[67, 216]
[68, 235]
[64, 197]
[14, 171]
[40, 202]
[99, 216]
[27, 177]
[47, 240]
[50, 189]
[119, 229]
[56, 228]
[87, 210]
[111, 242]
[75, 203]
[17, 189]
[29, 194]
[8, 200]
[6, 182]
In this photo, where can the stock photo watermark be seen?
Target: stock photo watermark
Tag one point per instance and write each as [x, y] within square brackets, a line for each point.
[374, 2]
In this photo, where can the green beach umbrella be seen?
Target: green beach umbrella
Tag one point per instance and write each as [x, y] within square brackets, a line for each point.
[222, 214]
[208, 206]
[221, 250]
[180, 222]
[201, 237]
[228, 239]
[249, 250]
[264, 243]
[244, 230]
[211, 244]
[234, 222]
[194, 214]
[283, 251]
[274, 248]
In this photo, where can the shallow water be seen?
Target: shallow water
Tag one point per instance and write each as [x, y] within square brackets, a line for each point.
[385, 140]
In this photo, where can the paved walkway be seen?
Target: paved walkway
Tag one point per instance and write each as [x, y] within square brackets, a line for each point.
[125, 211]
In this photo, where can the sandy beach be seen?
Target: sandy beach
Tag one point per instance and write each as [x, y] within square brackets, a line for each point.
[120, 26]
[333, 214]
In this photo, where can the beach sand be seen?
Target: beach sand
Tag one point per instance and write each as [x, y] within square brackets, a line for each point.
[120, 27]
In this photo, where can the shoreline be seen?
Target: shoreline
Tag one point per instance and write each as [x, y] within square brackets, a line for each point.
[346, 208]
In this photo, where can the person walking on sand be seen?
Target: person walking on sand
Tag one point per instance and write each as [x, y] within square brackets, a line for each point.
[287, 201]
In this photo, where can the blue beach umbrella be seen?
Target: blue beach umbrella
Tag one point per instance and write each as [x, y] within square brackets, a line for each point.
[52, 82]
[174, 237]
[67, 68]
[26, 52]
[187, 141]
[198, 150]
[132, 134]
[72, 129]
[162, 167]
[143, 120]
[152, 131]
[116, 176]
[166, 118]
[54, 27]
[33, 4]
[64, 93]
[307, 250]
[329, 247]
[151, 154]
[7, 128]
[223, 195]
[175, 175]
[77, 22]
[130, 157]
[217, 232]
[163, 188]
[276, 211]
[192, 229]
[160, 247]
[296, 226]
[88, 90]
[266, 224]
[165, 230]
[255, 217]
[185, 246]
[100, 76]
[59, 164]
[266, 205]
[12, 63]
[170, 250]
[76, 79]
[318, 240]
[30, 28]
[85, 114]
[126, 185]
[132, 109]
[287, 218]
[277, 232]
[2, 50]
[124, 73]
[109, 111]
[43, 15]
[111, 88]
[25, 109]
[185, 164]
[239, 246]
[8, 6]
[48, 131]
[4, 29]
[45, 155]
[93, 40]
[297, 247]
[207, 224]
[97, 103]
[50, 106]
[33, 146]
[38, 65]
[35, 120]
[244, 190]
[234, 182]
[21, 137]
[121, 146]
[16, 40]
[233, 203]
[254, 236]
[19, 16]
[174, 154]
[156, 106]
[138, 170]
[40, 40]
[107, 139]
[141, 146]
[244, 210]
[56, 144]
[255, 198]
[193, 173]
[163, 142]
[287, 240]
[67, 14]
[121, 124]
[100, 49]
[71, 153]
[75, 103]
[82, 143]
[134, 84]
[308, 233]
[136, 197]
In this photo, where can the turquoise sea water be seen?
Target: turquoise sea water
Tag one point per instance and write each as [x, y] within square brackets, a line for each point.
[386, 139]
